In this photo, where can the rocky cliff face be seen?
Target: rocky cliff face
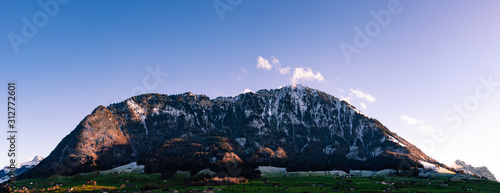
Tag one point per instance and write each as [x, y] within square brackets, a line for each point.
[296, 127]
[470, 170]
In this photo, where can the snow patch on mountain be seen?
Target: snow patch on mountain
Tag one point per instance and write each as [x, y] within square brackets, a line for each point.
[328, 150]
[241, 141]
[396, 141]
[438, 169]
[377, 152]
[353, 153]
[131, 168]
[140, 112]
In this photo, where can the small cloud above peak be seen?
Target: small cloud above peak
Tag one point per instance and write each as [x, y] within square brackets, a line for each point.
[408, 119]
[426, 129]
[263, 63]
[247, 90]
[301, 74]
[275, 63]
[365, 96]
[357, 94]
[285, 70]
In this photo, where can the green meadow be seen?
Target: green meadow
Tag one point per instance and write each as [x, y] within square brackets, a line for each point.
[299, 182]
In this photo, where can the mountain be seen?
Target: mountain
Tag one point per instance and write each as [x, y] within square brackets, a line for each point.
[299, 128]
[20, 168]
[470, 170]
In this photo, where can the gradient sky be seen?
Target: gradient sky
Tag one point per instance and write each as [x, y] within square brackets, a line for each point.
[429, 58]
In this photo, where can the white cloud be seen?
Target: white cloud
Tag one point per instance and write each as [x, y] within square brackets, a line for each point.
[263, 63]
[299, 74]
[362, 95]
[247, 90]
[244, 71]
[362, 105]
[305, 75]
[275, 63]
[357, 94]
[346, 99]
[408, 119]
[420, 123]
[285, 70]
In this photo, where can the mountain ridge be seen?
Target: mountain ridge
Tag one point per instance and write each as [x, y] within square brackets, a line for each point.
[481, 171]
[313, 129]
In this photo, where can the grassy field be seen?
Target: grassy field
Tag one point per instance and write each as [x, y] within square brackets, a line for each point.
[275, 183]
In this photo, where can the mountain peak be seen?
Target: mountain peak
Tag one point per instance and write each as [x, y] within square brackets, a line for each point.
[471, 170]
[37, 159]
[296, 87]
[20, 168]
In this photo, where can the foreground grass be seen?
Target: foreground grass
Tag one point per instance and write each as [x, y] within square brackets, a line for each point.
[276, 183]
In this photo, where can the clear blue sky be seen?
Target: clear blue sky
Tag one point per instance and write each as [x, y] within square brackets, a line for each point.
[416, 67]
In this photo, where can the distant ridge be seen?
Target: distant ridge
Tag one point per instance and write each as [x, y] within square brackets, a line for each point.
[469, 169]
[20, 168]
